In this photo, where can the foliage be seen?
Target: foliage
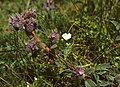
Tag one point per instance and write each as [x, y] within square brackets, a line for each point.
[93, 47]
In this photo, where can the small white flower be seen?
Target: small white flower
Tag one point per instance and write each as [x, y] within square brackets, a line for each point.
[66, 36]
[35, 78]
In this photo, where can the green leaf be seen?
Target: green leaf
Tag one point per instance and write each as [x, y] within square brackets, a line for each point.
[69, 75]
[111, 77]
[66, 70]
[48, 83]
[96, 77]
[2, 62]
[90, 70]
[59, 64]
[102, 72]
[116, 24]
[67, 51]
[102, 67]
[117, 38]
[90, 83]
[105, 83]
[53, 46]
[87, 84]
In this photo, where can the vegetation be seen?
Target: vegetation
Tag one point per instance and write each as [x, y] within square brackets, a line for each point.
[59, 43]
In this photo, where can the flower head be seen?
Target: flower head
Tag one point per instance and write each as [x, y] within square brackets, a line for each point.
[29, 21]
[30, 26]
[78, 72]
[30, 45]
[16, 22]
[54, 36]
[66, 36]
[25, 21]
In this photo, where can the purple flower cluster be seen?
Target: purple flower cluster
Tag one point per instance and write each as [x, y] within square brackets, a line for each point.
[78, 72]
[49, 5]
[25, 21]
[31, 45]
[54, 36]
[16, 22]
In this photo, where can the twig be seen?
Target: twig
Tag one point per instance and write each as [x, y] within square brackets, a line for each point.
[41, 43]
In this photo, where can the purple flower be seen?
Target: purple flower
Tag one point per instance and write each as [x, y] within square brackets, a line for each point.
[30, 21]
[30, 45]
[49, 5]
[54, 36]
[25, 21]
[16, 22]
[78, 72]
[30, 26]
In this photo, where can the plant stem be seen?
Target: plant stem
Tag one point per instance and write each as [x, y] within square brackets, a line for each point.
[41, 43]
